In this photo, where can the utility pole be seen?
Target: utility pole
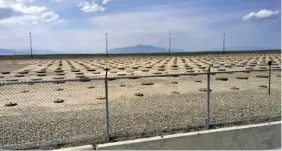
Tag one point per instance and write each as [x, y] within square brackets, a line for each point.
[107, 44]
[169, 44]
[30, 40]
[223, 51]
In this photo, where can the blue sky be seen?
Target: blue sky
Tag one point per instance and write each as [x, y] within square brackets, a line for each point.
[80, 25]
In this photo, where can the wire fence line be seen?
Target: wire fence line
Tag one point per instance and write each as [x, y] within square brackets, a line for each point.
[73, 111]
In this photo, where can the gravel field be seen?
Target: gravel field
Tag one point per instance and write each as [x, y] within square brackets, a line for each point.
[8, 65]
[156, 113]
[52, 115]
[160, 109]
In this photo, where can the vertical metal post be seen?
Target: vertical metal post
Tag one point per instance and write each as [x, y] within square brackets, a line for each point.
[223, 47]
[208, 97]
[107, 106]
[169, 49]
[107, 44]
[269, 76]
[30, 43]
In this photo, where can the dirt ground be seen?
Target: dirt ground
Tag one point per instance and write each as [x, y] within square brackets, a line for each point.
[9, 65]
[133, 66]
[136, 106]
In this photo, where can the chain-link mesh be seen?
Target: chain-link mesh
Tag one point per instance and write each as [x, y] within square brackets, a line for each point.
[62, 102]
[243, 97]
[52, 113]
[155, 105]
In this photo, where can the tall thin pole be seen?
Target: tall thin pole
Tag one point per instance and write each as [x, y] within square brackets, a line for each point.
[269, 76]
[223, 49]
[208, 97]
[30, 40]
[169, 44]
[107, 106]
[107, 44]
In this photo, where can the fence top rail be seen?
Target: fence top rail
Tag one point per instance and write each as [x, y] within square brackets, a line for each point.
[2, 82]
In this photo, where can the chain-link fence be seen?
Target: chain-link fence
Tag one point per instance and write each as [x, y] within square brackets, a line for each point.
[151, 106]
[55, 113]
[79, 111]
[245, 97]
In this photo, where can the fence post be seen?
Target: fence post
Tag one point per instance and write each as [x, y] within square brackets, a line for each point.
[269, 76]
[107, 106]
[208, 97]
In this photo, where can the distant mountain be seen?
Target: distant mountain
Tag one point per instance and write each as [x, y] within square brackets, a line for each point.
[240, 48]
[26, 52]
[131, 49]
[6, 52]
[143, 49]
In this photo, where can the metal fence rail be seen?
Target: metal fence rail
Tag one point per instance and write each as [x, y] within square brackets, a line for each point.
[72, 111]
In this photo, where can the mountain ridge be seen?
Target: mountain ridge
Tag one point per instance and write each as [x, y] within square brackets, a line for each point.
[140, 48]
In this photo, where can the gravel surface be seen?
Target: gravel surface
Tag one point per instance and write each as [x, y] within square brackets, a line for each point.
[137, 65]
[8, 67]
[151, 113]
[167, 105]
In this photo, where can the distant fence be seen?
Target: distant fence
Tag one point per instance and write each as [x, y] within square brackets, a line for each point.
[50, 114]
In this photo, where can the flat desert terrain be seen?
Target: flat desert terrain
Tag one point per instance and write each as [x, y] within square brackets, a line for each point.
[41, 103]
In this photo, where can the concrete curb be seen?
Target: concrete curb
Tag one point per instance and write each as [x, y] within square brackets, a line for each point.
[158, 142]
[85, 147]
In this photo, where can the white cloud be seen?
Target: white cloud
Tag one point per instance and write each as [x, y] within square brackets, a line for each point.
[17, 20]
[2, 37]
[35, 22]
[104, 2]
[189, 28]
[142, 22]
[57, 1]
[7, 2]
[27, 10]
[88, 7]
[61, 21]
[261, 14]
[49, 16]
[3, 4]
[21, 8]
[23, 1]
[33, 19]
[29, 14]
